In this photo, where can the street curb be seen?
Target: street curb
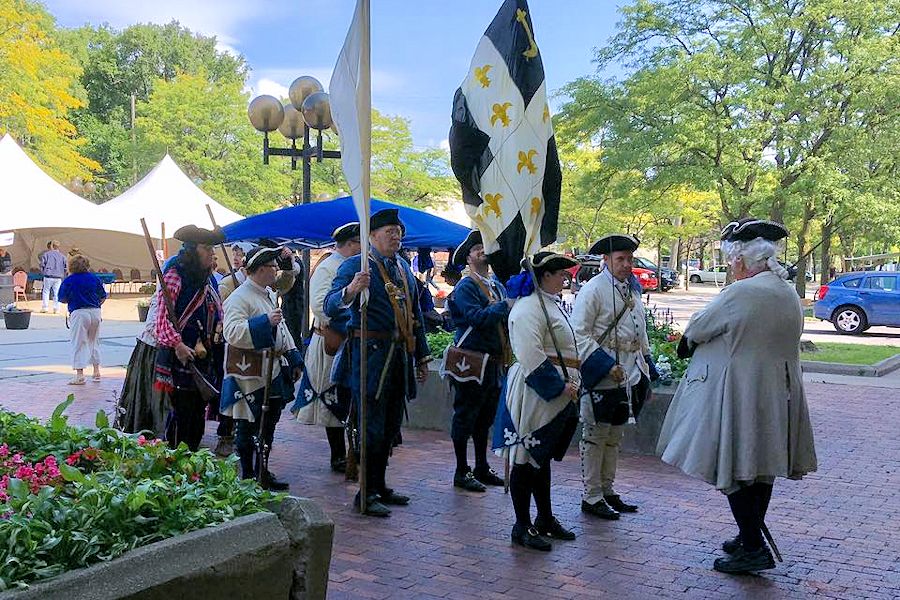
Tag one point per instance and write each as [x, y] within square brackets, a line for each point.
[879, 369]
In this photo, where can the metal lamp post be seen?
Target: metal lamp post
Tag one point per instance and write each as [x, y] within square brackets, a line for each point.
[309, 109]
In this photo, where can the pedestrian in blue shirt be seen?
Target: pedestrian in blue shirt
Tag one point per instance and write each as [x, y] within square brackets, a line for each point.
[84, 293]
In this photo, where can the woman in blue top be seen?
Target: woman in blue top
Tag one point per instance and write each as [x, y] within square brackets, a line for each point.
[84, 293]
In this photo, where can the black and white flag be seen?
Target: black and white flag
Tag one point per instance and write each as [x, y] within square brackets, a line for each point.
[502, 148]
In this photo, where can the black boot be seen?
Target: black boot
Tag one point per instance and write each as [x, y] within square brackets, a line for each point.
[744, 561]
[731, 546]
[374, 508]
[553, 529]
[247, 469]
[530, 538]
[615, 503]
[600, 509]
[270, 482]
[468, 482]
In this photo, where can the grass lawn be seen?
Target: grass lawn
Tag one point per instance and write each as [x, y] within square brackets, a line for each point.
[852, 354]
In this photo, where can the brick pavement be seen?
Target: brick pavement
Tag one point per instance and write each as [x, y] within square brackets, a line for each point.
[837, 528]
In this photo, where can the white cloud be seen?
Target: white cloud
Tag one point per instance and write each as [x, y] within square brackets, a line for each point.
[273, 88]
[383, 82]
[445, 144]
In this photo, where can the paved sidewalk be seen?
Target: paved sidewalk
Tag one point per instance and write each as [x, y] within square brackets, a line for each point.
[837, 529]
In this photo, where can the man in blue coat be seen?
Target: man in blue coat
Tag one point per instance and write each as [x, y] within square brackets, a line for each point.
[479, 308]
[396, 346]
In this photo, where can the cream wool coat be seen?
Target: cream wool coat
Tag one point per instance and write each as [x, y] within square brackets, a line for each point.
[532, 345]
[318, 363]
[247, 301]
[740, 411]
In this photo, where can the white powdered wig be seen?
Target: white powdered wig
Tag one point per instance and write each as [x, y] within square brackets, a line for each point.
[757, 254]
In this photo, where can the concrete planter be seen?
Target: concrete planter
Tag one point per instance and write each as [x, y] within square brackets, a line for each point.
[433, 409]
[285, 554]
[17, 319]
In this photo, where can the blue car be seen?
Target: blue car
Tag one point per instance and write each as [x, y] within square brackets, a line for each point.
[856, 301]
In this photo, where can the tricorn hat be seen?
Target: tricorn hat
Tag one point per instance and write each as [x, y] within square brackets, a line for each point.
[615, 242]
[261, 255]
[385, 217]
[549, 261]
[749, 228]
[191, 234]
[345, 232]
[461, 254]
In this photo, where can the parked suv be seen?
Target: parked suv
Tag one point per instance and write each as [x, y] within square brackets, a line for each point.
[668, 277]
[853, 302]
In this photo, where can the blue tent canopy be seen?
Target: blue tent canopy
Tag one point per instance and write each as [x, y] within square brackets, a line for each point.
[310, 225]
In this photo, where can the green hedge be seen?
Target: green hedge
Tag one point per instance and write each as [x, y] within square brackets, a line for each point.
[73, 496]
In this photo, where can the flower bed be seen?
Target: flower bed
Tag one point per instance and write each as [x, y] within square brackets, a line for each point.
[74, 496]
[664, 338]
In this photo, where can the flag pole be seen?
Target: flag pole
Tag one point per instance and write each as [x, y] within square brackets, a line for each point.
[364, 106]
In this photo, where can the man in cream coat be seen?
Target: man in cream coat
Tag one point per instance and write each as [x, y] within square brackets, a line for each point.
[739, 418]
[611, 327]
[321, 401]
[253, 323]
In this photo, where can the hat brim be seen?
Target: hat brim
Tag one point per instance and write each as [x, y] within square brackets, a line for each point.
[192, 234]
[750, 230]
[551, 262]
[461, 254]
[263, 256]
[615, 243]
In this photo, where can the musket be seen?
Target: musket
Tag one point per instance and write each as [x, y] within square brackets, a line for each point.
[771, 541]
[262, 448]
[224, 250]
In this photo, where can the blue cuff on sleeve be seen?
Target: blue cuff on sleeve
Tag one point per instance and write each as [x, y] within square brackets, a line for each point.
[546, 381]
[294, 358]
[595, 368]
[651, 366]
[261, 332]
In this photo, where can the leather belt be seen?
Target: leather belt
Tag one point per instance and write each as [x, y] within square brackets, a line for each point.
[373, 335]
[624, 346]
[572, 363]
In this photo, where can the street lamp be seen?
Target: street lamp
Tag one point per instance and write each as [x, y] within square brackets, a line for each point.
[309, 108]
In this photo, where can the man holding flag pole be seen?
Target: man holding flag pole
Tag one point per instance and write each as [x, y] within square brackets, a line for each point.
[387, 340]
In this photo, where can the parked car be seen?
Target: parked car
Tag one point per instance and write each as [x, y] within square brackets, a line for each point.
[669, 277]
[853, 302]
[715, 275]
[591, 264]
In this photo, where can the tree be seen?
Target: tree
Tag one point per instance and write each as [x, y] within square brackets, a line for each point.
[119, 64]
[750, 98]
[38, 90]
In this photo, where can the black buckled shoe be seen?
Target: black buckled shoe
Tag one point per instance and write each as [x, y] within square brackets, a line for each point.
[530, 538]
[374, 508]
[339, 465]
[731, 546]
[272, 483]
[488, 476]
[553, 529]
[468, 482]
[600, 509]
[389, 496]
[743, 561]
[615, 503]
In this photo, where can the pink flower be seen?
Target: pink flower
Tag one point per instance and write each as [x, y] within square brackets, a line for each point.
[73, 458]
[195, 476]
[4, 451]
[141, 440]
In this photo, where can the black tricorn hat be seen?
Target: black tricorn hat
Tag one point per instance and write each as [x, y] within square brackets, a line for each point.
[461, 254]
[261, 255]
[615, 242]
[549, 261]
[749, 228]
[191, 234]
[345, 232]
[385, 217]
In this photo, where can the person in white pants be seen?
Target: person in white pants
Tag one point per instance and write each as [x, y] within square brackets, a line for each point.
[84, 293]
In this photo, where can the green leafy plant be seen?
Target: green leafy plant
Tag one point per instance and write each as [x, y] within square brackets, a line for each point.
[438, 342]
[74, 496]
[664, 338]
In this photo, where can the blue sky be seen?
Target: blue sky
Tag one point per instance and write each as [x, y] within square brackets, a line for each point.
[420, 48]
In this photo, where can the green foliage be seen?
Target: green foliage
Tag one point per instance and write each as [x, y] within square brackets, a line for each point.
[851, 354]
[664, 338]
[116, 492]
[39, 88]
[780, 110]
[438, 342]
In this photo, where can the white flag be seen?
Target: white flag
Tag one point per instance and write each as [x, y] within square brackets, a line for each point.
[350, 92]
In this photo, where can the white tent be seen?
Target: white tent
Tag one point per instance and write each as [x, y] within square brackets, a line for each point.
[37, 209]
[166, 197]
